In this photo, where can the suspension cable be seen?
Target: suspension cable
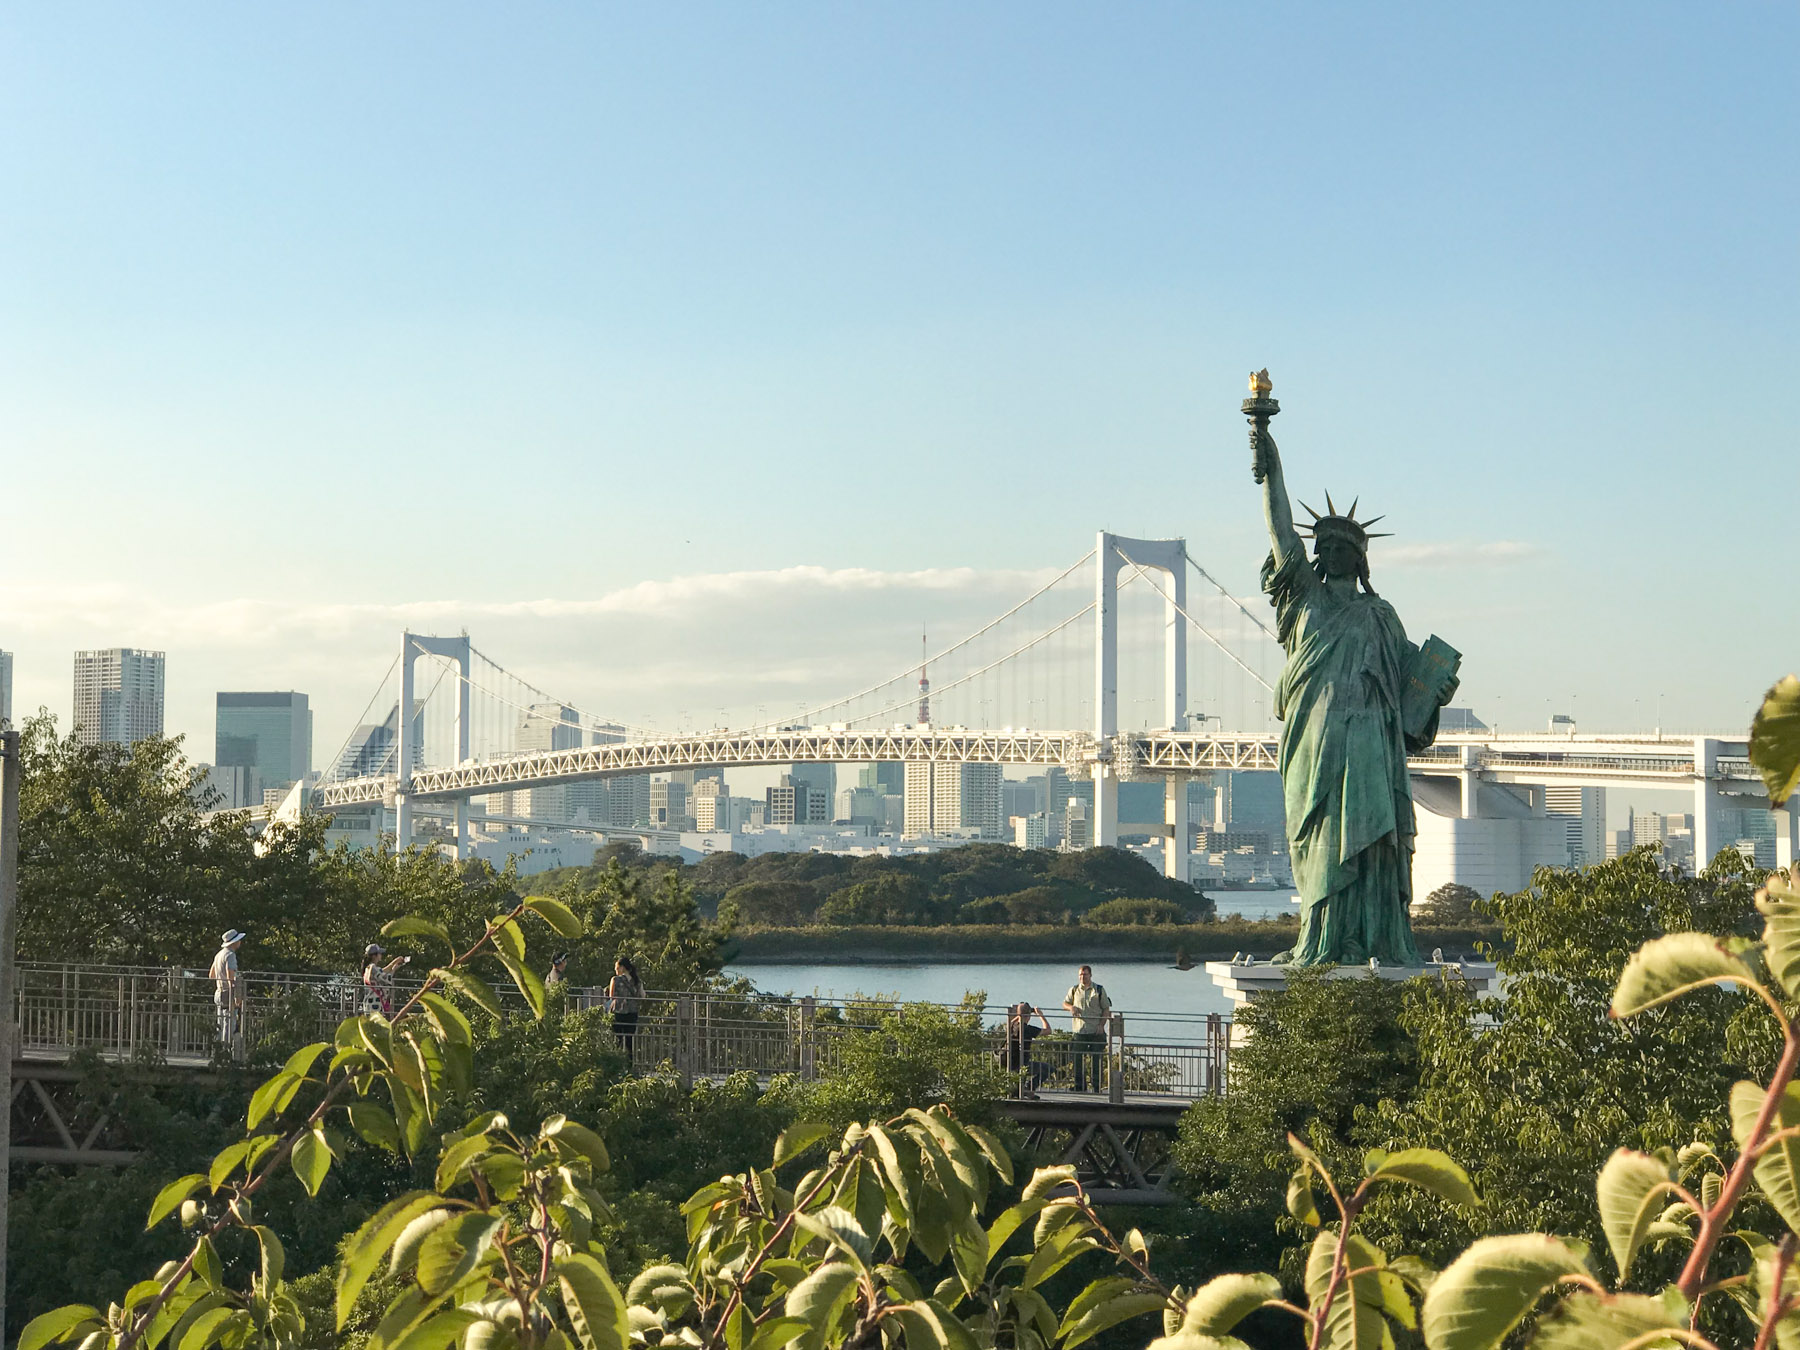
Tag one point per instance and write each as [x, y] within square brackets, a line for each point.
[1017, 651]
[362, 720]
[1234, 600]
[955, 646]
[1197, 624]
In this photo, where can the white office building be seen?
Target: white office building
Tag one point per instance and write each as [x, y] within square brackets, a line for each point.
[945, 798]
[118, 695]
[1583, 813]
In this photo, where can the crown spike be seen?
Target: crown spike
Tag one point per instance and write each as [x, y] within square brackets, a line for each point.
[1372, 519]
[1353, 506]
[1310, 511]
[1380, 534]
[1330, 505]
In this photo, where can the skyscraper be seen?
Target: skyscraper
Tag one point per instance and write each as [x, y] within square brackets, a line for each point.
[118, 696]
[943, 797]
[820, 778]
[268, 734]
[373, 748]
[1583, 813]
[887, 777]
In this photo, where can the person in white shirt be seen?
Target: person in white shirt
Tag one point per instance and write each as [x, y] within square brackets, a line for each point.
[1088, 1008]
[228, 985]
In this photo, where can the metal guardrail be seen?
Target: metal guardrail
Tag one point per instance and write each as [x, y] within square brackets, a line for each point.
[170, 1014]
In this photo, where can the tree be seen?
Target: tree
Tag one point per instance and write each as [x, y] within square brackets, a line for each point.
[1137, 912]
[915, 1054]
[657, 924]
[885, 899]
[1451, 903]
[780, 904]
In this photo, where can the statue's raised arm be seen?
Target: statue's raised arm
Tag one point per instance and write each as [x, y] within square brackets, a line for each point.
[1265, 468]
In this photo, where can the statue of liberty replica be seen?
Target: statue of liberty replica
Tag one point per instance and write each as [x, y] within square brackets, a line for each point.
[1355, 698]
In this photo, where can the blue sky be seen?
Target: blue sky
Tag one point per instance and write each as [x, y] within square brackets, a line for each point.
[317, 320]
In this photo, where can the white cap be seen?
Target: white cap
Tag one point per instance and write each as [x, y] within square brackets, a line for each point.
[230, 936]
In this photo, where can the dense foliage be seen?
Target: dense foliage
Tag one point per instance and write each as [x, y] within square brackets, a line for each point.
[978, 883]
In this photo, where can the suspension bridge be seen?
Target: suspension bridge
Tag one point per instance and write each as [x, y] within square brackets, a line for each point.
[1047, 684]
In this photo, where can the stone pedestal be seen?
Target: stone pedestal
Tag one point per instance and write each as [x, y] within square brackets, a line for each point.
[1242, 981]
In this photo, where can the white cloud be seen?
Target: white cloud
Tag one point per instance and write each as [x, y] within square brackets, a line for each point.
[1456, 553]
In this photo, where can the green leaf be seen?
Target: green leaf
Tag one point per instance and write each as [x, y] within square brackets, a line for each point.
[226, 1162]
[1221, 1303]
[1668, 967]
[818, 1298]
[301, 1061]
[450, 1254]
[437, 1331]
[1775, 739]
[929, 1325]
[272, 1097]
[59, 1324]
[311, 1159]
[995, 1152]
[839, 1228]
[1189, 1341]
[578, 1138]
[1055, 1252]
[509, 938]
[375, 1125]
[1109, 1314]
[902, 1175]
[411, 1239]
[169, 1198]
[1007, 1223]
[525, 979]
[647, 1281]
[1355, 1320]
[1630, 1188]
[446, 1019]
[472, 987]
[796, 1139]
[274, 1258]
[1779, 903]
[592, 1299]
[455, 1160]
[1588, 1321]
[411, 925]
[209, 1327]
[1430, 1170]
[1777, 1171]
[1300, 1201]
[1048, 1182]
[371, 1242]
[1487, 1290]
[779, 1331]
[558, 915]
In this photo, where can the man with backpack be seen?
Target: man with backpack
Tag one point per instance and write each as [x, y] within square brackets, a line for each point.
[1088, 1008]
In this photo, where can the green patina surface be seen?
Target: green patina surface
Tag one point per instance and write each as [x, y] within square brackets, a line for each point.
[1352, 707]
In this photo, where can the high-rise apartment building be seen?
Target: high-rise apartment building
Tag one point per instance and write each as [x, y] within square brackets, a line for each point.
[949, 798]
[712, 805]
[796, 801]
[668, 804]
[628, 801]
[1583, 813]
[267, 734]
[118, 696]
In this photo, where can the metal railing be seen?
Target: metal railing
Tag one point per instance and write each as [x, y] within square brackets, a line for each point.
[170, 1014]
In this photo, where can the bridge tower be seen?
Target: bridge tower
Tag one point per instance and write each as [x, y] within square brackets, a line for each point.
[1168, 556]
[457, 649]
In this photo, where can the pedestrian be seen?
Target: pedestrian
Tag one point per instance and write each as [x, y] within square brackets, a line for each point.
[378, 979]
[228, 985]
[1026, 1072]
[623, 993]
[558, 971]
[1088, 1008]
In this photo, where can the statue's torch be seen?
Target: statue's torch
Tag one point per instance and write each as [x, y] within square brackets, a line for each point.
[1259, 408]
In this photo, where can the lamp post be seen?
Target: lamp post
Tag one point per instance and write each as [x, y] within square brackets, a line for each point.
[9, 905]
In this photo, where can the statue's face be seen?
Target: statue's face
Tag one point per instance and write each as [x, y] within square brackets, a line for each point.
[1339, 557]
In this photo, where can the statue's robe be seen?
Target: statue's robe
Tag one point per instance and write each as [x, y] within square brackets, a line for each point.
[1343, 767]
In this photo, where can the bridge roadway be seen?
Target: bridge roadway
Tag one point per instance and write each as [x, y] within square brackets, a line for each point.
[1585, 761]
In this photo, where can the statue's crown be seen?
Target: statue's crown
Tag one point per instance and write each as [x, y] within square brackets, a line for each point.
[1345, 526]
